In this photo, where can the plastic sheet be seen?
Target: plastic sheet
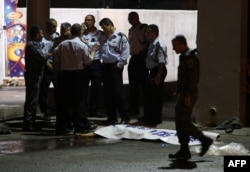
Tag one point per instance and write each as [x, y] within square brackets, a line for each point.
[229, 149]
[139, 132]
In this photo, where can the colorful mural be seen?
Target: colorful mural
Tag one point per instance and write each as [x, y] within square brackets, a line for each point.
[16, 38]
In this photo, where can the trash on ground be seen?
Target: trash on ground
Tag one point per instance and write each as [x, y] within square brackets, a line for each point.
[230, 125]
[229, 149]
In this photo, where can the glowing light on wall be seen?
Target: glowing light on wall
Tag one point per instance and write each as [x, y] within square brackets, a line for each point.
[16, 38]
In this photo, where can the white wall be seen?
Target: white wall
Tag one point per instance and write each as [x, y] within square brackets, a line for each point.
[170, 22]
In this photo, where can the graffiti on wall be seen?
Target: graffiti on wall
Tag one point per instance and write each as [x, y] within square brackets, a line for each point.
[16, 38]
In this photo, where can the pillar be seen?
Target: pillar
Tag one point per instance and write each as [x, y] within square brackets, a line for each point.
[38, 13]
[222, 41]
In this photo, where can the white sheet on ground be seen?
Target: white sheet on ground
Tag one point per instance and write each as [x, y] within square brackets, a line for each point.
[139, 132]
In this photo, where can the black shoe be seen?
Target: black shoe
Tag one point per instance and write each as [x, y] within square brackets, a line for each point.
[205, 143]
[108, 122]
[63, 132]
[46, 117]
[97, 115]
[134, 112]
[124, 121]
[31, 127]
[142, 119]
[149, 121]
[145, 124]
[181, 155]
[86, 128]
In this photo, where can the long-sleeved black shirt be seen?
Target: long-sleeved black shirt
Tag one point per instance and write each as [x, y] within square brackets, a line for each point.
[34, 58]
[188, 73]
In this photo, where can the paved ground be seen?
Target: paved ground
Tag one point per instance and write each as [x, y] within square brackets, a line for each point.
[47, 152]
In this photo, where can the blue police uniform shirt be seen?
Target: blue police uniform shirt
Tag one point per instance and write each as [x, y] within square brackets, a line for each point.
[48, 41]
[92, 39]
[72, 54]
[157, 53]
[47, 47]
[115, 48]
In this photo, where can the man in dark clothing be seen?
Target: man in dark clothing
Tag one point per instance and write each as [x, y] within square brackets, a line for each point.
[64, 35]
[137, 71]
[48, 77]
[35, 60]
[72, 56]
[187, 93]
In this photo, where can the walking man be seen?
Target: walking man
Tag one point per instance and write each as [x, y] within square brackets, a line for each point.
[187, 93]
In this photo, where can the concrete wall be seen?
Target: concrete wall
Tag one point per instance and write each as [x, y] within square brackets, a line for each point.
[222, 47]
[170, 22]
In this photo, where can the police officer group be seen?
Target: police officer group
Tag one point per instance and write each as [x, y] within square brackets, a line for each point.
[91, 55]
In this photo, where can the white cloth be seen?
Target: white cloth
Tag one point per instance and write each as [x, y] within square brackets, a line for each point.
[139, 132]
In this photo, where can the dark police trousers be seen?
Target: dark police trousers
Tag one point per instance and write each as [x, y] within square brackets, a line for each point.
[137, 75]
[113, 92]
[93, 74]
[32, 84]
[47, 78]
[184, 126]
[72, 105]
[153, 98]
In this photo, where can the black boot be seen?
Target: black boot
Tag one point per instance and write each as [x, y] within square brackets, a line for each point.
[182, 154]
[29, 126]
[205, 143]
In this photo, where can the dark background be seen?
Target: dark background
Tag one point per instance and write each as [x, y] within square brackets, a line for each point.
[123, 4]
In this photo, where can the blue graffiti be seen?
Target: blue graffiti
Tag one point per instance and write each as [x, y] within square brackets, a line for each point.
[161, 133]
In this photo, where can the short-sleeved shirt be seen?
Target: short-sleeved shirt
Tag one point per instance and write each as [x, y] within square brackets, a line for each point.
[72, 54]
[48, 42]
[93, 39]
[137, 40]
[115, 48]
[157, 53]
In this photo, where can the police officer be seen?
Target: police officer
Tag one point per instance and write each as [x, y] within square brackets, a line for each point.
[91, 36]
[137, 71]
[64, 35]
[35, 60]
[114, 53]
[73, 55]
[156, 64]
[187, 93]
[48, 77]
